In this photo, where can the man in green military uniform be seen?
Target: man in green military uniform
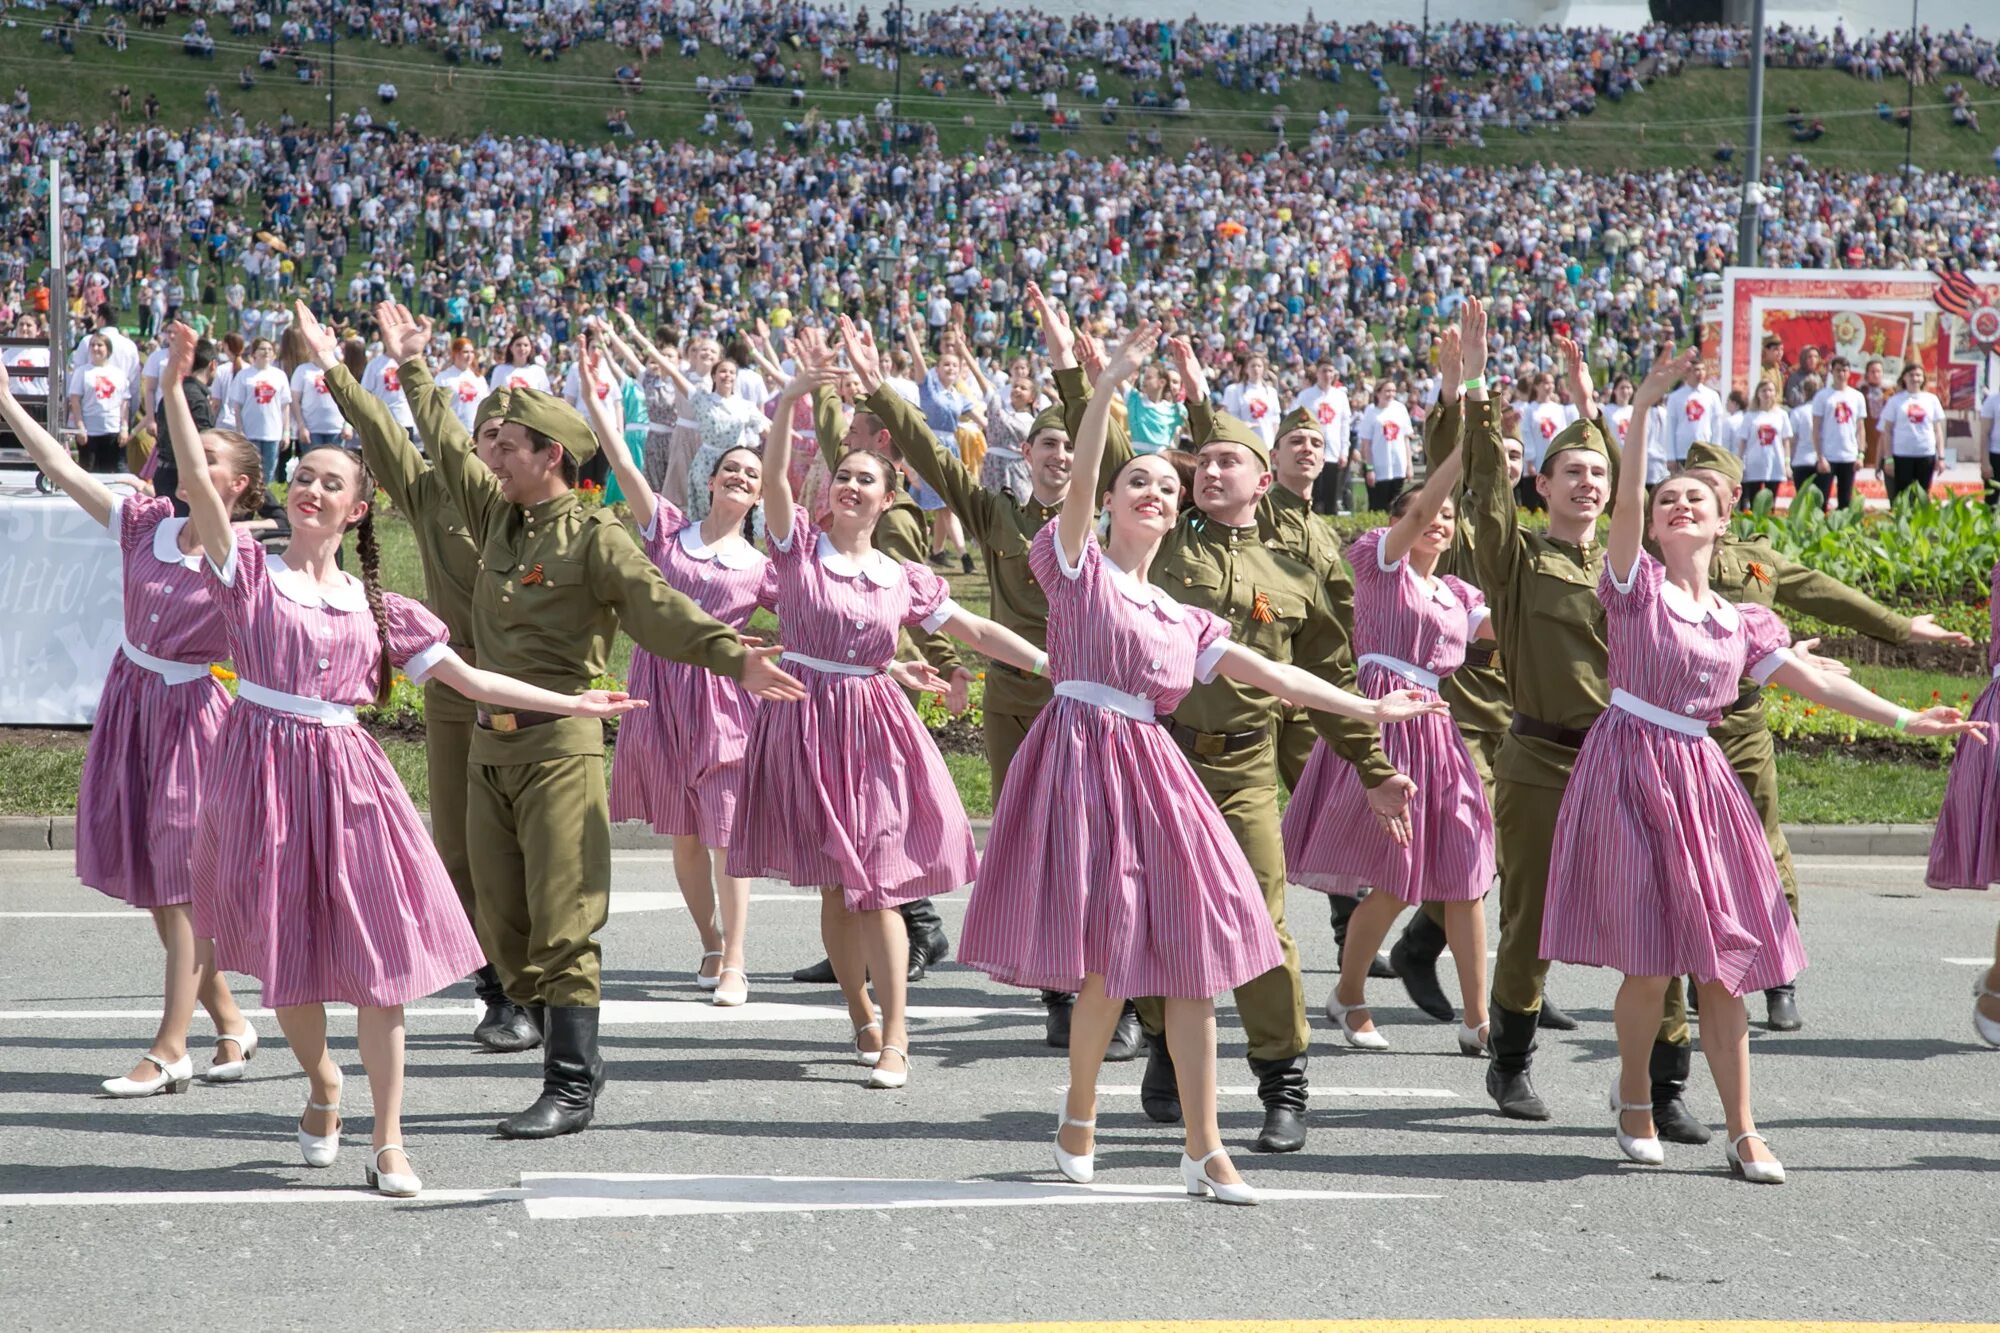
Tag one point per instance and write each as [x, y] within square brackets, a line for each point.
[902, 534]
[450, 561]
[1218, 557]
[1542, 588]
[1747, 569]
[554, 583]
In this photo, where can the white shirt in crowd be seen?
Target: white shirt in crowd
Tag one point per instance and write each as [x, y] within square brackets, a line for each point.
[263, 402]
[156, 365]
[1540, 423]
[1761, 439]
[385, 381]
[1335, 415]
[467, 388]
[607, 390]
[1801, 419]
[1384, 440]
[124, 355]
[1840, 414]
[509, 376]
[1915, 422]
[27, 358]
[1256, 405]
[1696, 415]
[1989, 421]
[106, 398]
[313, 401]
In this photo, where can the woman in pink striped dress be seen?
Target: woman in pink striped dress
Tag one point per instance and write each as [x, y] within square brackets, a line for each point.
[312, 871]
[1965, 851]
[1411, 627]
[846, 791]
[1660, 865]
[157, 720]
[1109, 871]
[679, 764]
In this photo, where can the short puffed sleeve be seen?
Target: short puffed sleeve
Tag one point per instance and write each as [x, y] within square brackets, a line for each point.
[134, 519]
[1635, 590]
[930, 597]
[1766, 641]
[418, 640]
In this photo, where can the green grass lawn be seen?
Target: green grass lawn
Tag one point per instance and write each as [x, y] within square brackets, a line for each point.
[1676, 122]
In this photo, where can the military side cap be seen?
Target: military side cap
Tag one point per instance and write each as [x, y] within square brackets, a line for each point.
[1234, 430]
[546, 414]
[492, 405]
[1049, 418]
[1577, 434]
[1299, 419]
[1715, 458]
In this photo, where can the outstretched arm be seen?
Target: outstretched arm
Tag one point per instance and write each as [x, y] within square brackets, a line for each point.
[1849, 696]
[778, 453]
[505, 692]
[1305, 690]
[465, 478]
[53, 458]
[995, 641]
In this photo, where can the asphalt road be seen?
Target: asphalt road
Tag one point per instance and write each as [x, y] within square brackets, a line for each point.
[740, 1175]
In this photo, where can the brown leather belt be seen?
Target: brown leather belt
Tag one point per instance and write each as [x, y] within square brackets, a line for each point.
[1481, 654]
[514, 721]
[1210, 744]
[1568, 737]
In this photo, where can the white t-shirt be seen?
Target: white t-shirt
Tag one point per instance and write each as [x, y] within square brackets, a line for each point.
[27, 358]
[530, 376]
[1256, 405]
[104, 395]
[1915, 422]
[607, 386]
[1540, 423]
[467, 388]
[385, 381]
[1989, 412]
[156, 364]
[1801, 419]
[315, 401]
[1696, 416]
[1384, 438]
[1335, 415]
[1841, 413]
[1761, 438]
[263, 401]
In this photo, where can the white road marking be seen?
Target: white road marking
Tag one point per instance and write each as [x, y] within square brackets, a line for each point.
[1970, 962]
[552, 1197]
[615, 1013]
[1318, 1090]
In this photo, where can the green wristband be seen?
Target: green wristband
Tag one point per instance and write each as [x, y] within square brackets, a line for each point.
[1903, 716]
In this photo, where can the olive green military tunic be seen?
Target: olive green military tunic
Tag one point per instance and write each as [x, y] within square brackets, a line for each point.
[1277, 606]
[555, 582]
[451, 561]
[1004, 528]
[1550, 629]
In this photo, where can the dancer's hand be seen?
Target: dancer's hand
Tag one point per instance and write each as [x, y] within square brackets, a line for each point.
[958, 695]
[321, 344]
[606, 703]
[1402, 705]
[765, 679]
[1391, 804]
[1925, 629]
[921, 677]
[1946, 722]
[1826, 666]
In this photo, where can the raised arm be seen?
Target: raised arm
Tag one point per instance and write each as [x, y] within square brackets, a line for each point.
[53, 459]
[392, 460]
[1576, 378]
[654, 355]
[1628, 515]
[1465, 343]
[207, 510]
[1199, 402]
[611, 439]
[465, 478]
[778, 452]
[619, 348]
[915, 342]
[940, 469]
[1079, 509]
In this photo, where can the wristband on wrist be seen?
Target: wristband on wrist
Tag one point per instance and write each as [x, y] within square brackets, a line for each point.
[1903, 716]
[1476, 382]
[1041, 666]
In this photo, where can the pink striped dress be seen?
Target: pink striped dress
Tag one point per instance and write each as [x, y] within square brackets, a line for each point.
[157, 718]
[1965, 850]
[1408, 633]
[846, 789]
[679, 764]
[1106, 855]
[1660, 866]
[312, 870]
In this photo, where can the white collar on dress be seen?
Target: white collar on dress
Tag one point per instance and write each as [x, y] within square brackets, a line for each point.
[167, 545]
[1145, 594]
[1438, 590]
[1724, 613]
[730, 552]
[880, 569]
[295, 585]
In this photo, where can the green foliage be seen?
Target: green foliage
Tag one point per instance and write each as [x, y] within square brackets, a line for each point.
[1928, 554]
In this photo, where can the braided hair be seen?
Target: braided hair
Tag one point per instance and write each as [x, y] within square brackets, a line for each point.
[370, 550]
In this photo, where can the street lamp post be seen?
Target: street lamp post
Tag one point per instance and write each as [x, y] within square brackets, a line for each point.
[1747, 226]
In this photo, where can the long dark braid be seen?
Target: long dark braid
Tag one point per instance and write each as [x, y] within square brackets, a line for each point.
[370, 552]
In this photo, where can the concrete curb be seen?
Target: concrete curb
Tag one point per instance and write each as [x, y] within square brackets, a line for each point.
[42, 833]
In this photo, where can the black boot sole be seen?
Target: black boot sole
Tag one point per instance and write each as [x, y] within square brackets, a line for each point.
[1284, 1130]
[1421, 983]
[508, 1042]
[1674, 1123]
[550, 1122]
[1515, 1096]
[1554, 1019]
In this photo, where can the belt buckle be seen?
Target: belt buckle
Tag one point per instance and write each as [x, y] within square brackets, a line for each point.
[1210, 744]
[502, 722]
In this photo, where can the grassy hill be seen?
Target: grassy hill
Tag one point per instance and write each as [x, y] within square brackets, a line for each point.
[1677, 122]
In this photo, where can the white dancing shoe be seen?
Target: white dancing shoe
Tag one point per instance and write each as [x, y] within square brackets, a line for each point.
[321, 1149]
[707, 983]
[730, 997]
[1195, 1176]
[1080, 1167]
[175, 1075]
[1987, 1028]
[1757, 1173]
[1646, 1152]
[1472, 1041]
[231, 1071]
[891, 1079]
[1338, 1012]
[395, 1184]
[861, 1057]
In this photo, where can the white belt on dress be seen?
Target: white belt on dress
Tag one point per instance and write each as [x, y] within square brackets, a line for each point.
[1104, 696]
[173, 673]
[1996, 671]
[839, 668]
[1658, 716]
[300, 706]
[1409, 672]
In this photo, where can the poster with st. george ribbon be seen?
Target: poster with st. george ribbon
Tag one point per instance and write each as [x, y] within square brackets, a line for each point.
[61, 607]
